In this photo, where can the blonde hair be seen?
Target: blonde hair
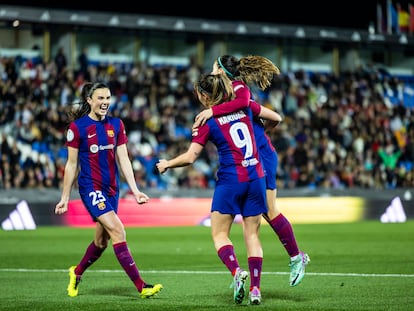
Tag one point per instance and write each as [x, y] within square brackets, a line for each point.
[250, 69]
[218, 88]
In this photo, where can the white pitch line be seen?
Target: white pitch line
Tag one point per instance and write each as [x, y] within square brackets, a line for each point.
[388, 275]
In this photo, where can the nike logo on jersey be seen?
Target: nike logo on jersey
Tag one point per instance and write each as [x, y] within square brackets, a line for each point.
[91, 135]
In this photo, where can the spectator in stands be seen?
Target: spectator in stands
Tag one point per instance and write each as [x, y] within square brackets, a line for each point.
[98, 142]
[61, 61]
[83, 62]
[389, 156]
[355, 99]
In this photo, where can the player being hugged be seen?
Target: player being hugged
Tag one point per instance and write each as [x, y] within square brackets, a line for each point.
[240, 185]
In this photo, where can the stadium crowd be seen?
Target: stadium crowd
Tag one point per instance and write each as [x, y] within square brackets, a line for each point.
[355, 129]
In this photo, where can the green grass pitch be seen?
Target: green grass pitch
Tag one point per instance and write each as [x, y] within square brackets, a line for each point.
[354, 266]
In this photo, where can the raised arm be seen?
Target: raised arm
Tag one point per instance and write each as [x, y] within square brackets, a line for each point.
[271, 117]
[268, 114]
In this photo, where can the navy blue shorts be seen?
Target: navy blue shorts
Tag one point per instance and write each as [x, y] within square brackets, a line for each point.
[269, 161]
[98, 203]
[246, 199]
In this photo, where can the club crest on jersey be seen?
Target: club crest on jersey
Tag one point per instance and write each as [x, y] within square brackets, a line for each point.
[102, 206]
[110, 133]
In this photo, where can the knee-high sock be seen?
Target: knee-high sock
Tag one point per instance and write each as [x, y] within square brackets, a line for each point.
[255, 268]
[228, 257]
[92, 254]
[282, 227]
[124, 257]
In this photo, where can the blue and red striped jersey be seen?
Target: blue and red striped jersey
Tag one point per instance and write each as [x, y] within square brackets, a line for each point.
[243, 98]
[97, 142]
[233, 136]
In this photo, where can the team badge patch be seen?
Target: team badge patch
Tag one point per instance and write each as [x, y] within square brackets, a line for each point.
[102, 206]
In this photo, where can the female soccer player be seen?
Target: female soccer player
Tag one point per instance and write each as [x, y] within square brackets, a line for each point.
[240, 186]
[259, 70]
[96, 142]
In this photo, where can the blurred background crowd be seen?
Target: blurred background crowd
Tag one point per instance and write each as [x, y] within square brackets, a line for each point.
[339, 131]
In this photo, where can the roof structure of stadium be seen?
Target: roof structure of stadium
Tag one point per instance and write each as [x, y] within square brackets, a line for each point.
[350, 14]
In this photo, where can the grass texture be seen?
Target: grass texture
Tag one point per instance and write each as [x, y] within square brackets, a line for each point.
[354, 266]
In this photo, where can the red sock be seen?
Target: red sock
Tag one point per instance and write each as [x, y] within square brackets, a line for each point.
[282, 227]
[255, 268]
[228, 257]
[124, 257]
[92, 254]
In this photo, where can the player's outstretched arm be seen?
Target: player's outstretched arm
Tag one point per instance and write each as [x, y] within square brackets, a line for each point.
[184, 159]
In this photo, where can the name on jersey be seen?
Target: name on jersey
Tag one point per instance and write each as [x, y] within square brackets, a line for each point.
[231, 117]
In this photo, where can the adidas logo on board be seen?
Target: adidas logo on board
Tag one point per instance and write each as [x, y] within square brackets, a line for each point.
[394, 212]
[19, 219]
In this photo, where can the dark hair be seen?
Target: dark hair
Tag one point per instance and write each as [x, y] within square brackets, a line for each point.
[230, 65]
[87, 91]
[252, 68]
[217, 87]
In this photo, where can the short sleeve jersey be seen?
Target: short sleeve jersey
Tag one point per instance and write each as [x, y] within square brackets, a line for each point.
[97, 142]
[233, 136]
